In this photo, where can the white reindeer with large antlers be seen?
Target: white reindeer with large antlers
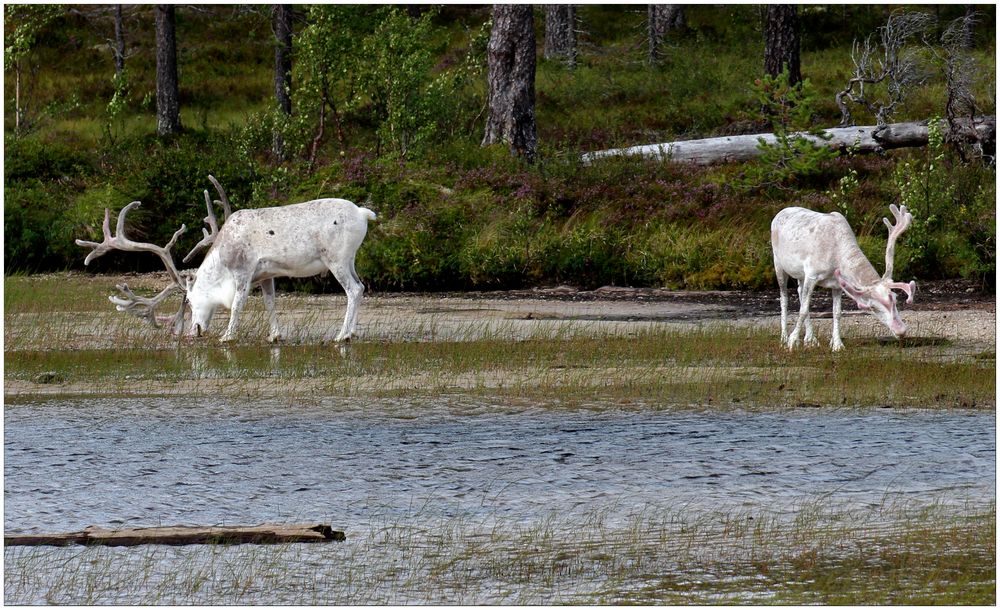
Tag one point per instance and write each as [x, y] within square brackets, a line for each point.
[252, 248]
[821, 250]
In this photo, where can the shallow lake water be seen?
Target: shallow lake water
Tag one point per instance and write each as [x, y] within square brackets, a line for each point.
[141, 462]
[421, 485]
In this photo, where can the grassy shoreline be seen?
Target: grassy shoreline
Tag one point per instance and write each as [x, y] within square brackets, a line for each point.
[666, 366]
[72, 343]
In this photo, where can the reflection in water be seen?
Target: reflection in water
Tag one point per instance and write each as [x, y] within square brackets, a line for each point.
[73, 463]
[339, 349]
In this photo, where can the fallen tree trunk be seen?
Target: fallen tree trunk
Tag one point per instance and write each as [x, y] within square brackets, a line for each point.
[867, 139]
[180, 535]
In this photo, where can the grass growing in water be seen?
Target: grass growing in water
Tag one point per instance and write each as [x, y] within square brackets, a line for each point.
[718, 365]
[818, 555]
[72, 342]
[883, 555]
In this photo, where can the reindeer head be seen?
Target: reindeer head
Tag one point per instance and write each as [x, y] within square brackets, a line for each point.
[202, 309]
[181, 280]
[879, 299]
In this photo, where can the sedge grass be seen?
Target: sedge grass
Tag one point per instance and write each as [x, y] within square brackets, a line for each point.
[60, 329]
[719, 365]
[887, 554]
[659, 555]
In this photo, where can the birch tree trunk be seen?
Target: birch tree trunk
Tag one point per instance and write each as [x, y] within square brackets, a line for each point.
[18, 109]
[168, 117]
[511, 80]
[119, 42]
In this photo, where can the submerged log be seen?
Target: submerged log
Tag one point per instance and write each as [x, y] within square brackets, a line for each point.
[180, 535]
[867, 139]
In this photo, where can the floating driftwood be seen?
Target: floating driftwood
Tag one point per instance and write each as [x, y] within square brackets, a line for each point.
[869, 139]
[181, 534]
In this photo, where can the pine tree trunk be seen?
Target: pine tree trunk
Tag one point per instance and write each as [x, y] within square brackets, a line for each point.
[781, 41]
[282, 68]
[660, 20]
[511, 80]
[560, 33]
[168, 118]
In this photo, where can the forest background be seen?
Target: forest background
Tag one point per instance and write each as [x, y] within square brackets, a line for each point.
[388, 109]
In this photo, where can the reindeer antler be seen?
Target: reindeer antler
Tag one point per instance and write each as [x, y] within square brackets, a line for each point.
[210, 220]
[209, 236]
[132, 303]
[903, 220]
[226, 209]
[146, 307]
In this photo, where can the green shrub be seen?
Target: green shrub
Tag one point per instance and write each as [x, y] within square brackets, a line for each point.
[34, 159]
[954, 214]
[41, 223]
[789, 109]
[168, 176]
[687, 257]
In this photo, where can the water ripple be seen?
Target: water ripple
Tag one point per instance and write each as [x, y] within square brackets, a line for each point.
[170, 461]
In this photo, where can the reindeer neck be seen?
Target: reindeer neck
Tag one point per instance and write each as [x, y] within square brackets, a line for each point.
[858, 269]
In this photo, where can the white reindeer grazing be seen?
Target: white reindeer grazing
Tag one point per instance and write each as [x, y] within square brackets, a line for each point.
[252, 248]
[821, 250]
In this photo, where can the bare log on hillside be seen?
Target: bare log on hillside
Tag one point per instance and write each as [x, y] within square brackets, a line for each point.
[860, 140]
[181, 535]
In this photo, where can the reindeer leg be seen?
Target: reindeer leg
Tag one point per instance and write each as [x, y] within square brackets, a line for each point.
[783, 290]
[348, 278]
[810, 338]
[806, 286]
[267, 287]
[835, 343]
[239, 300]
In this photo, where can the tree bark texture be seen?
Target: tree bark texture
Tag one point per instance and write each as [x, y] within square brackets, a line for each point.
[168, 117]
[511, 80]
[119, 42]
[868, 139]
[781, 41]
[283, 56]
[661, 19]
[282, 68]
[18, 109]
[560, 33]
